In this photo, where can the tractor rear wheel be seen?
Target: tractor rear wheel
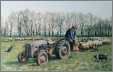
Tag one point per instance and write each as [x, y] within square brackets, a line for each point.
[41, 58]
[63, 51]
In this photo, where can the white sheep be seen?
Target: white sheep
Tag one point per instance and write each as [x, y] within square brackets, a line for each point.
[97, 42]
[106, 41]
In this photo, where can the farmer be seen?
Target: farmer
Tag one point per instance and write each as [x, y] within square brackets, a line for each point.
[70, 37]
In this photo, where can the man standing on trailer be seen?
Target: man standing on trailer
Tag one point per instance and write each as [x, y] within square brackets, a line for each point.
[70, 37]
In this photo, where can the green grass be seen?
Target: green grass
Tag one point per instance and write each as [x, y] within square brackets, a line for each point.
[78, 61]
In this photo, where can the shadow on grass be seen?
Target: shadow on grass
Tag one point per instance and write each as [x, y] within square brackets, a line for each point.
[50, 60]
[17, 63]
[12, 63]
[30, 61]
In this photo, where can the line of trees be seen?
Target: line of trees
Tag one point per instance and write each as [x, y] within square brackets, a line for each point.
[31, 23]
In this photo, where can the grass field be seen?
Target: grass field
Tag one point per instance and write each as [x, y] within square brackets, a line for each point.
[78, 61]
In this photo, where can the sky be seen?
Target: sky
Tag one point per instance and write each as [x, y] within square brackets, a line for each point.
[101, 9]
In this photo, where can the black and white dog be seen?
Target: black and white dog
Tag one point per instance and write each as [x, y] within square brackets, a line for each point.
[100, 57]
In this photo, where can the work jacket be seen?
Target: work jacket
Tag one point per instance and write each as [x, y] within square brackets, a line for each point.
[70, 35]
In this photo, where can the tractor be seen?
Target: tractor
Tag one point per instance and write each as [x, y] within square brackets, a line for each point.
[41, 50]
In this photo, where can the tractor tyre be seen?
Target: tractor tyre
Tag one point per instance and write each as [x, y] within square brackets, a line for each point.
[63, 51]
[22, 58]
[42, 58]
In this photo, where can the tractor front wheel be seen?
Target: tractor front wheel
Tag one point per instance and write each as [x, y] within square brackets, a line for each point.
[22, 58]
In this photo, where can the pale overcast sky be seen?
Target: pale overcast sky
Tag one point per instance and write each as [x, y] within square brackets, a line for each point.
[99, 8]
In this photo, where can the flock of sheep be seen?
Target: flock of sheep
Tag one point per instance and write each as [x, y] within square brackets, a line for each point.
[93, 43]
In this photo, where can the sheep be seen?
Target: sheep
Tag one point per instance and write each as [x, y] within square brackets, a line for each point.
[83, 45]
[97, 42]
[106, 41]
[87, 45]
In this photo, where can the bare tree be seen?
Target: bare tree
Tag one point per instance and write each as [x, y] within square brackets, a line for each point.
[60, 20]
[31, 23]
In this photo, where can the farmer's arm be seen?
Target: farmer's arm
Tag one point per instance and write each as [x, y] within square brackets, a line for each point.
[68, 35]
[73, 34]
